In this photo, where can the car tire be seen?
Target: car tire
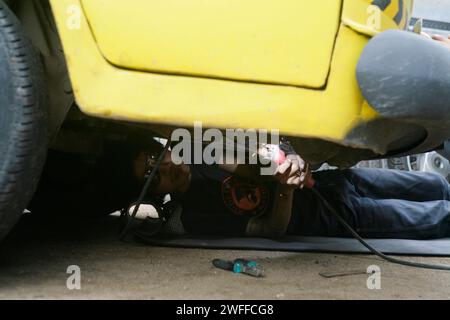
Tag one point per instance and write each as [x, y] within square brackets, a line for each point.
[23, 119]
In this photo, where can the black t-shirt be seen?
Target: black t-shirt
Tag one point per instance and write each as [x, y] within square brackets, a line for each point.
[220, 203]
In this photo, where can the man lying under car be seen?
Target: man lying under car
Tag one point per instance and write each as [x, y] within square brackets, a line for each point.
[217, 200]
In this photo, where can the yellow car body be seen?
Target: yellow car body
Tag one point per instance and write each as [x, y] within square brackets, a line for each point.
[263, 64]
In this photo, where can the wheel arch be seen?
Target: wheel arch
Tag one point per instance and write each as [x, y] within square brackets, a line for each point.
[37, 20]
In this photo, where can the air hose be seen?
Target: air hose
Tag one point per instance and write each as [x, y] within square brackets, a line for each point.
[369, 247]
[144, 191]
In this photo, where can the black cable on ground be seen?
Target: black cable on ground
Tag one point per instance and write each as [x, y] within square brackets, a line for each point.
[145, 189]
[372, 249]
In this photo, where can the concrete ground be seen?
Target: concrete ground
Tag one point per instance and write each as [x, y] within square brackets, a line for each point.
[35, 258]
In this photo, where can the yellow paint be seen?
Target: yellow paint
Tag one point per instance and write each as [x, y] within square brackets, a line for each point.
[357, 15]
[392, 10]
[228, 39]
[104, 90]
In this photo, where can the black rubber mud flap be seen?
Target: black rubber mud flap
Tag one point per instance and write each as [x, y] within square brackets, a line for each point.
[406, 79]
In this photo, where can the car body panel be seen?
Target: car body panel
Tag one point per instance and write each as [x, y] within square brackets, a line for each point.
[361, 15]
[106, 90]
[229, 39]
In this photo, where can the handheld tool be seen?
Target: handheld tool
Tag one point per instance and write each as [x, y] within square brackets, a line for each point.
[244, 266]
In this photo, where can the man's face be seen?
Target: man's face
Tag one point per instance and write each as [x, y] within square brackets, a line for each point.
[171, 178]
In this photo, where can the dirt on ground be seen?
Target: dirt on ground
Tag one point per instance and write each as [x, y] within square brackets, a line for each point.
[34, 264]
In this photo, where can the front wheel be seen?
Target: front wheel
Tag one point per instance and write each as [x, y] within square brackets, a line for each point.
[23, 127]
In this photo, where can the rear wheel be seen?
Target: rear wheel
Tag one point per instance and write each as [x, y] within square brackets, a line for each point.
[23, 132]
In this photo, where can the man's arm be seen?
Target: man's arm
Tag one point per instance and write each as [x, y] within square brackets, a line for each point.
[293, 173]
[275, 222]
[445, 41]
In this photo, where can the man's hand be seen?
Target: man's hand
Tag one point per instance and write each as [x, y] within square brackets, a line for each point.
[294, 172]
[444, 40]
[441, 39]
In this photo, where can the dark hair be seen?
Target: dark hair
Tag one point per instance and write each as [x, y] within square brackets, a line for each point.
[129, 151]
[137, 145]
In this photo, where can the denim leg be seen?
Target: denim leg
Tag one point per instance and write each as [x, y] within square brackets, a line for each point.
[377, 218]
[395, 184]
[416, 212]
[398, 219]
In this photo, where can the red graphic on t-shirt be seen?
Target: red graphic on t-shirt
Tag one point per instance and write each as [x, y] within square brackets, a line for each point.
[244, 197]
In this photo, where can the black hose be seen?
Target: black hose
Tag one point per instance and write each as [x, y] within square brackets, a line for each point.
[145, 189]
[372, 249]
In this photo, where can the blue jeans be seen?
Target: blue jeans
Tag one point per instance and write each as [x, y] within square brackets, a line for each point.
[376, 203]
